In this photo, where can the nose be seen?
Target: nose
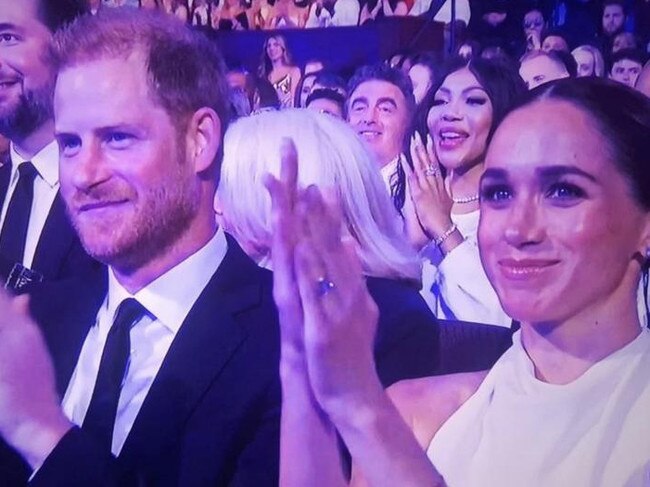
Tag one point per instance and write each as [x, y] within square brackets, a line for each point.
[452, 111]
[524, 225]
[368, 116]
[86, 168]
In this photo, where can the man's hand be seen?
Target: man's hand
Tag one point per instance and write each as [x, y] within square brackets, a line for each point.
[31, 419]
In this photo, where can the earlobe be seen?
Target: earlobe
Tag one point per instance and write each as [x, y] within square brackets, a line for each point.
[645, 240]
[205, 134]
[218, 208]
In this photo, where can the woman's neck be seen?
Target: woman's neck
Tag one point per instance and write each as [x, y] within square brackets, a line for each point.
[563, 351]
[464, 184]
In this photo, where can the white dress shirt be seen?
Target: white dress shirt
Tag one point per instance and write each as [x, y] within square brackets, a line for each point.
[168, 300]
[463, 11]
[46, 186]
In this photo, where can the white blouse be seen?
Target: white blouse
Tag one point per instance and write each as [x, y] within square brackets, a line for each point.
[455, 285]
[517, 430]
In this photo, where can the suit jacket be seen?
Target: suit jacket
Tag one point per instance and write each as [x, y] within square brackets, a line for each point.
[407, 344]
[412, 343]
[59, 253]
[212, 414]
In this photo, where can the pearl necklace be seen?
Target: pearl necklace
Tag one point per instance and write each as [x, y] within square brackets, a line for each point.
[466, 199]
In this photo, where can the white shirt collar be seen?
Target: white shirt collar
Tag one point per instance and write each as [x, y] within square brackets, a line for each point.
[46, 162]
[171, 296]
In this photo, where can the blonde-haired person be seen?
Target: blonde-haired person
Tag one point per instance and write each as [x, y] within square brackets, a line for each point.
[589, 60]
[333, 157]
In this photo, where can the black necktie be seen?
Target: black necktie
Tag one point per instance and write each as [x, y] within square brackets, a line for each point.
[14, 229]
[100, 418]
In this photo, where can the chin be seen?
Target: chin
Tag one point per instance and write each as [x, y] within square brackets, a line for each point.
[526, 306]
[102, 244]
[456, 160]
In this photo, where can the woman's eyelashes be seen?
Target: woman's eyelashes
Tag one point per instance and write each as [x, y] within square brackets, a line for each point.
[564, 190]
[561, 192]
[476, 100]
[495, 193]
[470, 100]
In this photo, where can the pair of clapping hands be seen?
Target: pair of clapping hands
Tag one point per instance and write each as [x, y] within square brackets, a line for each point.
[328, 322]
[328, 319]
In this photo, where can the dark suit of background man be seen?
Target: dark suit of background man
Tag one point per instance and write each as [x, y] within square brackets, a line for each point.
[190, 395]
[36, 239]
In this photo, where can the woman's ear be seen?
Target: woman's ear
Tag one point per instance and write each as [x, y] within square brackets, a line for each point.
[203, 138]
[644, 244]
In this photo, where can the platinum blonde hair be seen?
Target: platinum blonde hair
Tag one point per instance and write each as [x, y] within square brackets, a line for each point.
[330, 156]
[599, 62]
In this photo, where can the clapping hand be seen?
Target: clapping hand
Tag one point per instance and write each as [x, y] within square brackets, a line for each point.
[328, 322]
[331, 318]
[31, 419]
[426, 188]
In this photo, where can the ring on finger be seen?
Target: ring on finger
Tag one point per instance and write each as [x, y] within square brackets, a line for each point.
[431, 170]
[324, 286]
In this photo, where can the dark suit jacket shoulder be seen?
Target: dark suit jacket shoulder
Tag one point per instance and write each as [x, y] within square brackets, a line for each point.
[59, 253]
[212, 414]
[407, 340]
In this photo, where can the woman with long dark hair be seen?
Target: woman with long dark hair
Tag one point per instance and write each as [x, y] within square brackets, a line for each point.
[457, 119]
[565, 239]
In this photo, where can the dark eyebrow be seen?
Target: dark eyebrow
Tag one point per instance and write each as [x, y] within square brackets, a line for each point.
[466, 90]
[546, 172]
[549, 172]
[494, 173]
[359, 99]
[8, 26]
[101, 131]
[123, 127]
[387, 99]
[63, 133]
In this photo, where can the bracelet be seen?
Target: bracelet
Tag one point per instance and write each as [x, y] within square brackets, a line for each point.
[445, 235]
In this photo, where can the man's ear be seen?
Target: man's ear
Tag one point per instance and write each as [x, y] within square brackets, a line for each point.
[218, 207]
[203, 138]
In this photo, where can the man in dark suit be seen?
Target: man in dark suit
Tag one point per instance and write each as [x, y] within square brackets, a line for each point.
[36, 239]
[167, 360]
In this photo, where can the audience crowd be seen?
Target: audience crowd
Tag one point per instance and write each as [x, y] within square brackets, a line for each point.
[431, 272]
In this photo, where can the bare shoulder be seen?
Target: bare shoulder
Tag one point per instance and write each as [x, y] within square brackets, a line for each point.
[425, 404]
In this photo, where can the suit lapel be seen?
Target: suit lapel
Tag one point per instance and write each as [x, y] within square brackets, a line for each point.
[65, 311]
[55, 241]
[5, 174]
[208, 338]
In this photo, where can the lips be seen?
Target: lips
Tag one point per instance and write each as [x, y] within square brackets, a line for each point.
[525, 269]
[451, 138]
[369, 134]
[99, 205]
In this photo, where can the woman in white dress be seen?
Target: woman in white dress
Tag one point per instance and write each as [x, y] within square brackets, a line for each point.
[564, 236]
[459, 115]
